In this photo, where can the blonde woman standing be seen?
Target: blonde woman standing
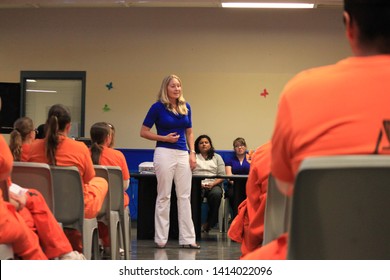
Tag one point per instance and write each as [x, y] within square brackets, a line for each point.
[171, 115]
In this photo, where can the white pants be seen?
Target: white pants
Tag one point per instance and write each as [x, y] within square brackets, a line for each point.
[173, 165]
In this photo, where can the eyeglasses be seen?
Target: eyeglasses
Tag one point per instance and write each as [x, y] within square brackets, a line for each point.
[239, 146]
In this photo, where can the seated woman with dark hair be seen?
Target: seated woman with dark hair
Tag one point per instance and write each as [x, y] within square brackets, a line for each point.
[209, 163]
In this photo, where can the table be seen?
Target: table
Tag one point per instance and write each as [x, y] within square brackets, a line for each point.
[147, 194]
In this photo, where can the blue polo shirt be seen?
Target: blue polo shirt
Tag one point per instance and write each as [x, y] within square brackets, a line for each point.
[237, 167]
[167, 122]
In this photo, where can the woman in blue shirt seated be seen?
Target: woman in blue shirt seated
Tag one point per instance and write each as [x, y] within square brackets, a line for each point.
[237, 165]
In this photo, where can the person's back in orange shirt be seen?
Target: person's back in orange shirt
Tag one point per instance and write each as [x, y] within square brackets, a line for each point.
[103, 154]
[338, 109]
[58, 149]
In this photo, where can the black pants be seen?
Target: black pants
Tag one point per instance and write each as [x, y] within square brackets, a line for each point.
[214, 201]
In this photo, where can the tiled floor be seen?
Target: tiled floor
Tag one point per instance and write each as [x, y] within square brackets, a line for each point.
[214, 246]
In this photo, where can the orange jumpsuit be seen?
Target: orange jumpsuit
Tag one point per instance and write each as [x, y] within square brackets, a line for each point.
[338, 109]
[248, 226]
[112, 157]
[73, 153]
[25, 152]
[13, 229]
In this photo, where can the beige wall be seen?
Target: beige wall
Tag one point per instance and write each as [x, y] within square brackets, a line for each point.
[224, 57]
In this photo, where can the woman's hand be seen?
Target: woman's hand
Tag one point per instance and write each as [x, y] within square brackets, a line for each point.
[192, 161]
[172, 137]
[19, 201]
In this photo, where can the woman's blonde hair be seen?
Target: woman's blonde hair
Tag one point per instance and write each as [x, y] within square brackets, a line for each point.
[163, 96]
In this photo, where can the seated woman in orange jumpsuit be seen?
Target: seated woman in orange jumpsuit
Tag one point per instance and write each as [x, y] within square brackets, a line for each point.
[21, 138]
[13, 229]
[103, 154]
[248, 226]
[57, 149]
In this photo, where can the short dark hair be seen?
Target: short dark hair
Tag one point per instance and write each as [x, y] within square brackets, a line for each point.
[373, 19]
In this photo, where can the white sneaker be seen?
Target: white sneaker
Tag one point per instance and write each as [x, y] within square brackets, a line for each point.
[74, 255]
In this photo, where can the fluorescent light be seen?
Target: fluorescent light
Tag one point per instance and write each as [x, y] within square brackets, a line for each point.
[268, 5]
[31, 81]
[41, 90]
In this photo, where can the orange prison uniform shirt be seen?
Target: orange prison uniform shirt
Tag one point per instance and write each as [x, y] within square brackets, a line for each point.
[13, 229]
[112, 157]
[248, 226]
[331, 110]
[25, 152]
[73, 153]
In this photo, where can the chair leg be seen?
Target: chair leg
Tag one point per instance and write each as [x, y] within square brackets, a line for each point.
[89, 234]
[126, 232]
[114, 232]
[6, 252]
[221, 214]
[226, 215]
[95, 246]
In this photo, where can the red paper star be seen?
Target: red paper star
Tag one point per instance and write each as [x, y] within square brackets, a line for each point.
[264, 93]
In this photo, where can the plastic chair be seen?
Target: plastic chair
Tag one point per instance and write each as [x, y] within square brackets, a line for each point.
[6, 252]
[33, 175]
[277, 212]
[110, 211]
[69, 207]
[116, 180]
[341, 209]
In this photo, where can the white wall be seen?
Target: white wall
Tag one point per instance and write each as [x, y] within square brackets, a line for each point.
[224, 57]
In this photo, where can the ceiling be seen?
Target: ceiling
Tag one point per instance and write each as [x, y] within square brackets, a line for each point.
[145, 3]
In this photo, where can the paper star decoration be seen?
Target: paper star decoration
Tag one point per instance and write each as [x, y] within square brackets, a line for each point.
[106, 108]
[109, 86]
[264, 93]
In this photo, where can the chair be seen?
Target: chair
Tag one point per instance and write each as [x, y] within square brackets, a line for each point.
[69, 207]
[33, 175]
[276, 214]
[341, 209]
[6, 252]
[116, 179]
[110, 211]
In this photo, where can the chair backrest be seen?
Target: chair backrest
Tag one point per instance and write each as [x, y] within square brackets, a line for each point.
[116, 186]
[276, 214]
[341, 208]
[33, 175]
[68, 196]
